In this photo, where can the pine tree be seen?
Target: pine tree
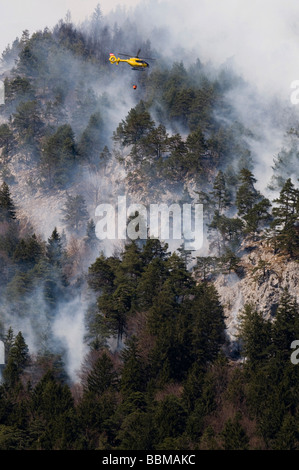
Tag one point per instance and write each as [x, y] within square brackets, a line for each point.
[91, 140]
[220, 193]
[96, 23]
[287, 436]
[28, 251]
[150, 283]
[117, 307]
[206, 266]
[19, 351]
[234, 436]
[154, 249]
[18, 89]
[101, 274]
[225, 233]
[196, 146]
[208, 325]
[285, 218]
[52, 402]
[27, 121]
[287, 204]
[132, 375]
[286, 324]
[102, 377]
[7, 207]
[54, 249]
[255, 335]
[247, 196]
[257, 217]
[155, 143]
[137, 124]
[8, 341]
[18, 358]
[91, 231]
[58, 156]
[208, 203]
[169, 418]
[105, 157]
[7, 141]
[131, 264]
[136, 431]
[75, 211]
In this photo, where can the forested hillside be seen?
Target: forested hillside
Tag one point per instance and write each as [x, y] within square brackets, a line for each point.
[123, 344]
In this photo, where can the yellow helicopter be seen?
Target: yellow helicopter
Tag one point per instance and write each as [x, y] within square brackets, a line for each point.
[137, 63]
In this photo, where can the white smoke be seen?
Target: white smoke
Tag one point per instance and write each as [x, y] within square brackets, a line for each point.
[69, 328]
[260, 37]
[259, 41]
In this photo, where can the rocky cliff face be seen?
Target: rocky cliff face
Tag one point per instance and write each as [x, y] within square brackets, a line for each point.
[265, 276]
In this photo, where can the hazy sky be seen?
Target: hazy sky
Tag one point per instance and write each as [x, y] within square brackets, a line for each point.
[18, 15]
[260, 36]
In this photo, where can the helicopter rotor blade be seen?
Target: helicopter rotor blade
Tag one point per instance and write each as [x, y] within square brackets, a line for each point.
[137, 56]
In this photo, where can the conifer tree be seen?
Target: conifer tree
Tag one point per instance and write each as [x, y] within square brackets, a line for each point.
[90, 231]
[28, 251]
[220, 193]
[132, 375]
[169, 418]
[255, 335]
[96, 21]
[18, 358]
[287, 436]
[75, 212]
[8, 341]
[27, 120]
[208, 203]
[104, 158]
[154, 249]
[102, 377]
[155, 143]
[285, 219]
[58, 156]
[150, 283]
[205, 267]
[7, 207]
[208, 325]
[52, 402]
[91, 140]
[234, 436]
[7, 141]
[101, 274]
[132, 264]
[54, 249]
[257, 217]
[286, 211]
[137, 124]
[247, 196]
[286, 324]
[225, 232]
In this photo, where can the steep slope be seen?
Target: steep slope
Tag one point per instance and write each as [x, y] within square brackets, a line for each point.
[265, 275]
